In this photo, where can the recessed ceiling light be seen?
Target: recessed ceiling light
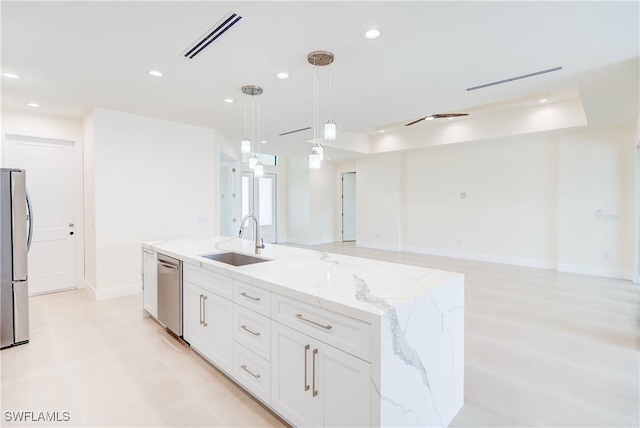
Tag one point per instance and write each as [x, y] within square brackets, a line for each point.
[229, 100]
[33, 105]
[328, 158]
[371, 34]
[282, 76]
[382, 131]
[451, 118]
[263, 142]
[544, 100]
[429, 118]
[155, 73]
[10, 75]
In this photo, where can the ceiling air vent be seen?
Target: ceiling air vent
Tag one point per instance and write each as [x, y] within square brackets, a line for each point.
[294, 131]
[511, 79]
[227, 21]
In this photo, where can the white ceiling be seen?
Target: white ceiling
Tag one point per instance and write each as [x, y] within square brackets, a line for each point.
[73, 56]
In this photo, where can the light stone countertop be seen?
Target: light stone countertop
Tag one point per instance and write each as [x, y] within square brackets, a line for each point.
[361, 288]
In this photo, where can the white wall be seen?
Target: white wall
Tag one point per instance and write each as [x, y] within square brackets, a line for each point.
[154, 179]
[379, 201]
[597, 172]
[89, 202]
[310, 203]
[530, 200]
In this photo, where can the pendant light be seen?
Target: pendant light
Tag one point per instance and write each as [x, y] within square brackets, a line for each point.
[318, 59]
[253, 159]
[330, 130]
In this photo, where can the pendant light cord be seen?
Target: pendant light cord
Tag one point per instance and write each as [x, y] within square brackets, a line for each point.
[253, 119]
[315, 102]
[330, 109]
[245, 118]
[258, 142]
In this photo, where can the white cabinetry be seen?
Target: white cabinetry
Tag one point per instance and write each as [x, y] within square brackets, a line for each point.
[315, 384]
[150, 282]
[208, 318]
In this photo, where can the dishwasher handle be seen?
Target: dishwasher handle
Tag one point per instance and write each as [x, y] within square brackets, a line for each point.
[168, 266]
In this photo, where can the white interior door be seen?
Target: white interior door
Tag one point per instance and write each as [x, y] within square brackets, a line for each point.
[259, 197]
[49, 167]
[349, 206]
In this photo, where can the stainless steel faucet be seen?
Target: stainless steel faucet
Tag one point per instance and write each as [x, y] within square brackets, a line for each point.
[259, 241]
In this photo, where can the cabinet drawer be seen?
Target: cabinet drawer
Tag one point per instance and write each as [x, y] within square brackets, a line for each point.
[255, 298]
[252, 330]
[210, 281]
[343, 332]
[252, 372]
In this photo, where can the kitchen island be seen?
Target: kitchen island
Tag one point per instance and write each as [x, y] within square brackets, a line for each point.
[325, 339]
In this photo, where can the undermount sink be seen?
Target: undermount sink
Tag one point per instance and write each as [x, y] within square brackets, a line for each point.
[234, 259]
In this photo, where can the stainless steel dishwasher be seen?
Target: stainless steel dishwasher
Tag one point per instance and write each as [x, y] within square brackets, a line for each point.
[170, 293]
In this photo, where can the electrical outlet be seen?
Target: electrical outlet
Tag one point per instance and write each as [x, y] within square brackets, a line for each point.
[463, 195]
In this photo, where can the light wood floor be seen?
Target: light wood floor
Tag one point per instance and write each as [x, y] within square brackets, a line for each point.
[542, 348]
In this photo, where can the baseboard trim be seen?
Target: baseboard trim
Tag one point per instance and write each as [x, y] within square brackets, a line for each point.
[114, 293]
[516, 261]
[595, 271]
[378, 246]
[90, 289]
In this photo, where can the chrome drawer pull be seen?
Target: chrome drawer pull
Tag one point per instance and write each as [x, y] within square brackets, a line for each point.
[313, 379]
[306, 383]
[326, 327]
[257, 299]
[244, 327]
[204, 314]
[244, 367]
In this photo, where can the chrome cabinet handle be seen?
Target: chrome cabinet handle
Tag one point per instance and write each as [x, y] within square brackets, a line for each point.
[257, 299]
[306, 383]
[313, 379]
[244, 367]
[300, 317]
[201, 320]
[204, 307]
[244, 327]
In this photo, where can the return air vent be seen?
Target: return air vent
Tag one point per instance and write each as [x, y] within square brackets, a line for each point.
[227, 21]
[294, 131]
[511, 79]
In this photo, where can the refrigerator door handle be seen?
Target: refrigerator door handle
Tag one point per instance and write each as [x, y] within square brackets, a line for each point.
[30, 217]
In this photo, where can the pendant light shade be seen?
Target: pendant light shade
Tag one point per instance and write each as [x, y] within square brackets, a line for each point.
[258, 170]
[330, 131]
[245, 146]
[319, 150]
[315, 161]
[253, 161]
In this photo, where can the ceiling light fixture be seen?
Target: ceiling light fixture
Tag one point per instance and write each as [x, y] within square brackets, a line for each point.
[229, 100]
[282, 76]
[155, 73]
[254, 163]
[263, 142]
[319, 59]
[544, 100]
[10, 75]
[372, 34]
[35, 105]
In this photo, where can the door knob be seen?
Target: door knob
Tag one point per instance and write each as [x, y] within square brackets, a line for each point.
[70, 233]
[71, 224]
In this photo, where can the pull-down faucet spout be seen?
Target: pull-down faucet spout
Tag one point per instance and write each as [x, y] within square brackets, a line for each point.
[259, 241]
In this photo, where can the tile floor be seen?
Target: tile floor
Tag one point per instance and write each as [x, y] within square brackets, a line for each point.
[542, 349]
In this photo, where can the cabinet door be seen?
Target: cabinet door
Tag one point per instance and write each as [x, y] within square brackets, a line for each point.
[291, 374]
[342, 388]
[195, 322]
[219, 315]
[150, 282]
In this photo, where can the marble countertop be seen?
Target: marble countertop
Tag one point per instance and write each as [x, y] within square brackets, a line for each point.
[361, 288]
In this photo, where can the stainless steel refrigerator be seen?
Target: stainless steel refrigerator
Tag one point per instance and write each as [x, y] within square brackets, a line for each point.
[16, 226]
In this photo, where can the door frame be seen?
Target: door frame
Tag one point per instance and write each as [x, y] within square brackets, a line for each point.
[78, 190]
